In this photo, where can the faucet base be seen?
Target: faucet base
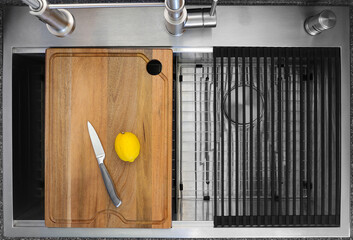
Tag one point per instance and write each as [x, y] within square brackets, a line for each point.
[175, 26]
[70, 27]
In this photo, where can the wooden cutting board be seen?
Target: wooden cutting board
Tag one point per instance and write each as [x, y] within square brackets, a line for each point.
[112, 89]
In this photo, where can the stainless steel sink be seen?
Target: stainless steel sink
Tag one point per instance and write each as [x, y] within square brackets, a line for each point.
[25, 41]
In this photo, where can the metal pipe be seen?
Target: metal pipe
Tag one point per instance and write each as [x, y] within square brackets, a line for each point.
[103, 5]
[176, 7]
[34, 4]
[213, 7]
[174, 4]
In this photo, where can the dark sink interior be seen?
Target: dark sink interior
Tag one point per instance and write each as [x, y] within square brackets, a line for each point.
[28, 136]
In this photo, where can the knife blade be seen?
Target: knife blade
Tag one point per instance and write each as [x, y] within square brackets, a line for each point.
[100, 155]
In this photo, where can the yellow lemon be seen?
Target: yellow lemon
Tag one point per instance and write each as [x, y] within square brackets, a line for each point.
[127, 146]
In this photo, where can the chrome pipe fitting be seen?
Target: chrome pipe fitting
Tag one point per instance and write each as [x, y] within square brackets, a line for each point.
[320, 22]
[175, 5]
[175, 19]
[200, 18]
[34, 4]
[104, 5]
[213, 7]
[60, 22]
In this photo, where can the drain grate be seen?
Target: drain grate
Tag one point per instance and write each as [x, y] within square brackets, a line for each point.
[277, 141]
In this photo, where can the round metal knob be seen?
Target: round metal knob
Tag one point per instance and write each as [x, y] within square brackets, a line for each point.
[320, 22]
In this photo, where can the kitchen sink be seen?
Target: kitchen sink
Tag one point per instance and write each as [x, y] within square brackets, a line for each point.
[211, 196]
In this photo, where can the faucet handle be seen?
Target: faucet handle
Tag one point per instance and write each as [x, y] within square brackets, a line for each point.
[213, 7]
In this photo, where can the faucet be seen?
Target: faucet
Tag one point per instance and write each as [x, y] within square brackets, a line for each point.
[60, 22]
[177, 18]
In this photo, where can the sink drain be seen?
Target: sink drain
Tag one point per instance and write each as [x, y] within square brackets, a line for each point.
[237, 117]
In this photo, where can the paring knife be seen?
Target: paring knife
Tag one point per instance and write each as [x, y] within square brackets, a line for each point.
[100, 155]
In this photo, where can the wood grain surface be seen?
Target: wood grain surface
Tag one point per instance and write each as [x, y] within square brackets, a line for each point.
[112, 89]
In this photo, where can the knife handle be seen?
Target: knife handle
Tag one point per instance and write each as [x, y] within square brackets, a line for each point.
[109, 185]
